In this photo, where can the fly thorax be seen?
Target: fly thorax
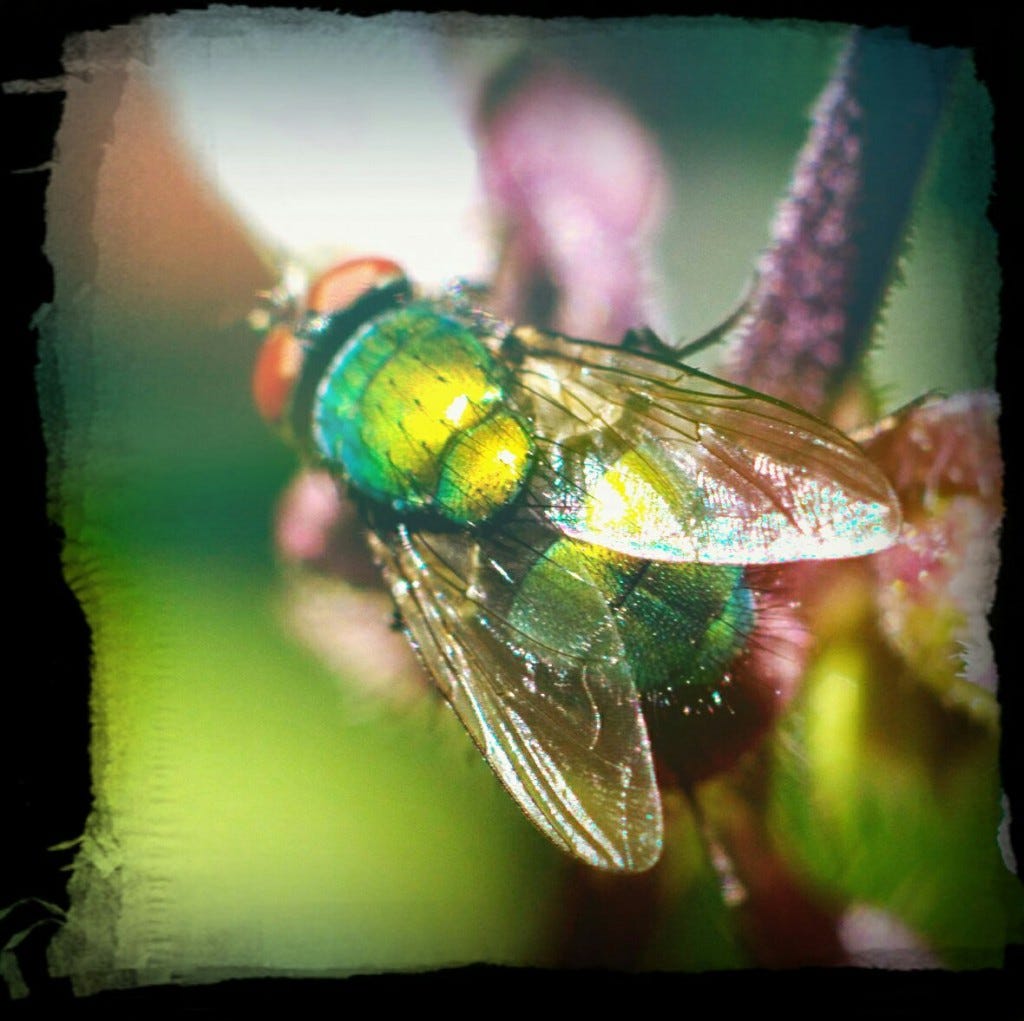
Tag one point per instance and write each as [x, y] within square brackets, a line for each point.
[413, 411]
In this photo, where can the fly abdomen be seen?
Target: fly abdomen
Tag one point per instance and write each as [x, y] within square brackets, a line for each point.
[679, 626]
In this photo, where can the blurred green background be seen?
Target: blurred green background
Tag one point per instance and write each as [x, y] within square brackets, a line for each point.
[256, 813]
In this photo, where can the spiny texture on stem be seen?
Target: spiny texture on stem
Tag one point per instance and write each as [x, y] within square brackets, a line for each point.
[839, 231]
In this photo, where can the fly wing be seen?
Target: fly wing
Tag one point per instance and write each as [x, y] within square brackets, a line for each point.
[656, 460]
[537, 675]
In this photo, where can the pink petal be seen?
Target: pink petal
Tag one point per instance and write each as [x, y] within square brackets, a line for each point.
[578, 181]
[937, 584]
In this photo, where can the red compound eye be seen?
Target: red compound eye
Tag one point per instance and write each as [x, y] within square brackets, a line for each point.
[345, 283]
[277, 369]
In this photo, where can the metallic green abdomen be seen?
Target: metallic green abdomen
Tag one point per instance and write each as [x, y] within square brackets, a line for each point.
[414, 412]
[676, 624]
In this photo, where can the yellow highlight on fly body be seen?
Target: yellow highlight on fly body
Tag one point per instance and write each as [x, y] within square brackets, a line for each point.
[410, 415]
[630, 499]
[484, 467]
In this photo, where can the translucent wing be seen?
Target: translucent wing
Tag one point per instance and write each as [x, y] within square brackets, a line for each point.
[660, 461]
[532, 663]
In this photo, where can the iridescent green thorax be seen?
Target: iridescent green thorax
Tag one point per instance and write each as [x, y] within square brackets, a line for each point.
[677, 624]
[414, 412]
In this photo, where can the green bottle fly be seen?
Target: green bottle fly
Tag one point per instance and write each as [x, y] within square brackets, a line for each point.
[566, 529]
